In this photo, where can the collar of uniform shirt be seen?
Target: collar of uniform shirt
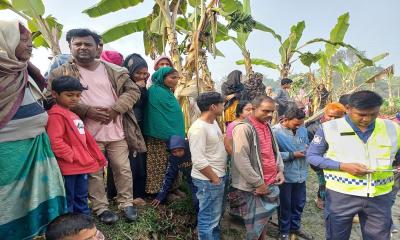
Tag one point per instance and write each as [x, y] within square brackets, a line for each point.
[362, 135]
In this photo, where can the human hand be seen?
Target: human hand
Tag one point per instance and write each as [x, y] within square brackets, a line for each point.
[215, 181]
[356, 169]
[155, 202]
[280, 178]
[98, 114]
[262, 190]
[112, 115]
[299, 154]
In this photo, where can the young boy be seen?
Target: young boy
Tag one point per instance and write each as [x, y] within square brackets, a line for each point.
[75, 149]
[179, 160]
[73, 226]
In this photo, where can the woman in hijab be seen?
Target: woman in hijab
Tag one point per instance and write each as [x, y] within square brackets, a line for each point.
[31, 185]
[231, 90]
[254, 87]
[138, 72]
[163, 118]
[112, 57]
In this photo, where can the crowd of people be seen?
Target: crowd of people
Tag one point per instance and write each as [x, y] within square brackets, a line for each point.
[96, 129]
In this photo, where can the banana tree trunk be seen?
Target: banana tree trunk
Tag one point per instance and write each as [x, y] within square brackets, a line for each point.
[390, 92]
[247, 63]
[174, 52]
[285, 70]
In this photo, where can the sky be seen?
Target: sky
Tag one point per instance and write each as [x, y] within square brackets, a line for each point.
[374, 28]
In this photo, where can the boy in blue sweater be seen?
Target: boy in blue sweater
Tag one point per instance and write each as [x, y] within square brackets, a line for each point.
[179, 160]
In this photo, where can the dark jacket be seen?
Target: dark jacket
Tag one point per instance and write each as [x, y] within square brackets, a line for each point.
[138, 108]
[312, 128]
[176, 164]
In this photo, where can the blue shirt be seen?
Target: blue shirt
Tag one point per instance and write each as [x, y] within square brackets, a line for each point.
[319, 146]
[296, 169]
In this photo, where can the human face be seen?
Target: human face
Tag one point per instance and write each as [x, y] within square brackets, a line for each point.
[87, 234]
[178, 152]
[247, 110]
[217, 108]
[293, 124]
[171, 80]
[163, 63]
[84, 49]
[362, 118]
[141, 74]
[332, 114]
[286, 86]
[23, 51]
[67, 99]
[264, 112]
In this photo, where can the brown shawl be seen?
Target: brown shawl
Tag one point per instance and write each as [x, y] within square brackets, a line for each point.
[13, 73]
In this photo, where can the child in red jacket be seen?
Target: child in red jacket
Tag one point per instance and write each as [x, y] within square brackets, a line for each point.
[75, 149]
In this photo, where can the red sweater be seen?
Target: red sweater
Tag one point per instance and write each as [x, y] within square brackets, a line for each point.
[76, 150]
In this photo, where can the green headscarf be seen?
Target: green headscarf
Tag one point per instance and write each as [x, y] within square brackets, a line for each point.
[163, 114]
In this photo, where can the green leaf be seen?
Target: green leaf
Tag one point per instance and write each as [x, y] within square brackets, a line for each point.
[246, 7]
[219, 53]
[230, 6]
[309, 58]
[222, 33]
[182, 6]
[157, 26]
[32, 8]
[125, 29]
[40, 42]
[379, 57]
[182, 23]
[262, 27]
[337, 34]
[194, 3]
[108, 6]
[290, 44]
[260, 62]
[242, 37]
[342, 67]
[5, 4]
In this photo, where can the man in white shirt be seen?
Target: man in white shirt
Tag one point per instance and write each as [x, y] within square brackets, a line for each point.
[209, 163]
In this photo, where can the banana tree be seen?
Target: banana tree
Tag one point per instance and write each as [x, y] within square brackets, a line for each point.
[348, 74]
[46, 31]
[288, 49]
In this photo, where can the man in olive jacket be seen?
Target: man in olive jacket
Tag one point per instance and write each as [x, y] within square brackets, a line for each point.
[106, 108]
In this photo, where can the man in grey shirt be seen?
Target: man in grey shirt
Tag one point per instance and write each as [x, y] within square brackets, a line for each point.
[282, 96]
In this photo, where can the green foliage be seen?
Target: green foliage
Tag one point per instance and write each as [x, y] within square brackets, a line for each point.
[230, 6]
[260, 62]
[262, 27]
[337, 34]
[5, 4]
[289, 46]
[107, 6]
[32, 8]
[309, 58]
[125, 29]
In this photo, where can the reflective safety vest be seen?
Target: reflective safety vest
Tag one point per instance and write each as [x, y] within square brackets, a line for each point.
[377, 153]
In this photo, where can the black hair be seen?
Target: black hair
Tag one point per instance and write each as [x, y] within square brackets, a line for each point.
[171, 72]
[294, 113]
[66, 83]
[344, 99]
[68, 225]
[365, 100]
[240, 107]
[285, 81]
[82, 32]
[205, 100]
[260, 99]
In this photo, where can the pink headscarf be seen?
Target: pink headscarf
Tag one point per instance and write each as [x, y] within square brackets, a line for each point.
[112, 57]
[161, 58]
